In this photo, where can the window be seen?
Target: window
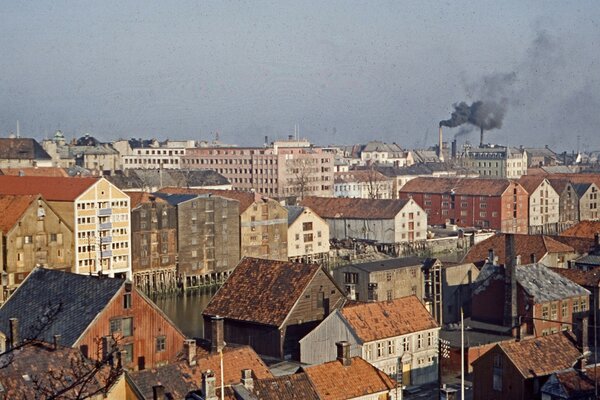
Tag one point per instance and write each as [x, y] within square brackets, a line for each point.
[297, 236]
[308, 237]
[575, 306]
[389, 295]
[28, 239]
[388, 276]
[115, 326]
[380, 351]
[122, 325]
[391, 346]
[405, 344]
[350, 277]
[161, 342]
[128, 349]
[583, 304]
[419, 341]
[429, 339]
[127, 301]
[564, 309]
[369, 352]
[497, 373]
[545, 312]
[307, 226]
[53, 237]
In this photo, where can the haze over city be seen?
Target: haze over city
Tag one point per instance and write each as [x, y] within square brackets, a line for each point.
[345, 72]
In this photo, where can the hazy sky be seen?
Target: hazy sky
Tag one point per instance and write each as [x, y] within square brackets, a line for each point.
[344, 71]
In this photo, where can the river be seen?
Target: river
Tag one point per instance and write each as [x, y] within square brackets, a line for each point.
[185, 309]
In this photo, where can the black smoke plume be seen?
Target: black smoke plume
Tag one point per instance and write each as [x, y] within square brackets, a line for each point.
[484, 115]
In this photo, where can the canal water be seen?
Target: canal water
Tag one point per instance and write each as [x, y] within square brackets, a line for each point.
[185, 309]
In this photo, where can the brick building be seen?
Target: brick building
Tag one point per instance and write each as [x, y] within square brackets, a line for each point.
[498, 204]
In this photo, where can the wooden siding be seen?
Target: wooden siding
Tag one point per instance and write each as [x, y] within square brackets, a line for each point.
[148, 324]
[318, 346]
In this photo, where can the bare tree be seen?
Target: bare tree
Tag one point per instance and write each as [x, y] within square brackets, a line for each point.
[301, 170]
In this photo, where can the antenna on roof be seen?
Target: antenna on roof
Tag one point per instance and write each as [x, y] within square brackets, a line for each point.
[18, 130]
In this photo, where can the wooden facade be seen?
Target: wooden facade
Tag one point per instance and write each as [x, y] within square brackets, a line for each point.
[153, 339]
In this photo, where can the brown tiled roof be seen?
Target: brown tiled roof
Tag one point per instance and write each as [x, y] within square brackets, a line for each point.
[530, 183]
[332, 207]
[577, 178]
[334, 381]
[138, 198]
[287, 387]
[39, 171]
[578, 384]
[22, 149]
[586, 229]
[261, 291]
[37, 368]
[180, 378]
[360, 176]
[460, 186]
[525, 245]
[581, 245]
[386, 319]
[51, 188]
[543, 355]
[246, 199]
[12, 208]
[590, 278]
[559, 184]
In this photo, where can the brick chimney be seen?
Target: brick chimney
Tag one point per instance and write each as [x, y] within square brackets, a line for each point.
[491, 256]
[510, 282]
[597, 241]
[209, 383]
[247, 379]
[582, 334]
[56, 343]
[532, 258]
[343, 353]
[217, 338]
[158, 392]
[14, 332]
[189, 351]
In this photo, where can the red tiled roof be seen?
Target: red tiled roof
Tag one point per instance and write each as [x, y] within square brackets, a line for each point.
[386, 319]
[335, 207]
[581, 245]
[525, 245]
[246, 199]
[530, 183]
[261, 291]
[13, 207]
[38, 171]
[579, 385]
[334, 381]
[586, 229]
[138, 198]
[51, 188]
[589, 278]
[543, 355]
[287, 387]
[460, 186]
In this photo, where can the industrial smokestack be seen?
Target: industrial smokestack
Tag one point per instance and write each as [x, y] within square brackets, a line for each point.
[454, 150]
[481, 137]
[441, 146]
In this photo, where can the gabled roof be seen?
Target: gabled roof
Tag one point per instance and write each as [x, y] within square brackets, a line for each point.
[37, 370]
[525, 246]
[22, 149]
[180, 378]
[287, 387]
[377, 146]
[334, 381]
[543, 355]
[50, 302]
[293, 213]
[137, 198]
[246, 199]
[590, 278]
[581, 188]
[387, 319]
[573, 384]
[51, 188]
[458, 186]
[175, 199]
[531, 183]
[334, 207]
[585, 229]
[545, 285]
[13, 207]
[35, 171]
[559, 184]
[261, 291]
[356, 175]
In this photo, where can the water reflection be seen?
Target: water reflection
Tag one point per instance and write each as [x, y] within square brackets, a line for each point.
[185, 309]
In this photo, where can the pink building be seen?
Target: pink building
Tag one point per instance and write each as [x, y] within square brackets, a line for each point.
[286, 168]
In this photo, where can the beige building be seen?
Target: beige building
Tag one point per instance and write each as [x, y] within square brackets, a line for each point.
[155, 155]
[31, 234]
[22, 153]
[588, 201]
[286, 168]
[362, 184]
[95, 210]
[88, 153]
[544, 205]
[497, 162]
[308, 236]
[385, 153]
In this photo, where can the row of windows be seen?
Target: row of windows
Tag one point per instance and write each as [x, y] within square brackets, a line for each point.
[91, 205]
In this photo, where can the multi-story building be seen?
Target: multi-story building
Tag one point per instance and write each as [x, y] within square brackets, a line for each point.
[208, 242]
[498, 204]
[263, 222]
[308, 236]
[385, 153]
[152, 180]
[95, 210]
[155, 155]
[153, 242]
[568, 203]
[287, 168]
[362, 184]
[31, 234]
[498, 162]
[385, 334]
[588, 201]
[87, 152]
[22, 152]
[543, 205]
[385, 221]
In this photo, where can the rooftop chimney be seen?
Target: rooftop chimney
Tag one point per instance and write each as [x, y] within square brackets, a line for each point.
[481, 138]
[247, 379]
[597, 241]
[518, 259]
[209, 383]
[491, 256]
[189, 350]
[56, 342]
[158, 392]
[14, 332]
[343, 353]
[217, 338]
[533, 258]
[441, 146]
[510, 304]
[454, 150]
[582, 333]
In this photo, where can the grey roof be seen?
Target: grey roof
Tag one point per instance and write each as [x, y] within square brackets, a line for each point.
[22, 149]
[425, 156]
[155, 178]
[581, 188]
[175, 199]
[545, 285]
[590, 259]
[293, 213]
[378, 146]
[53, 302]
[384, 265]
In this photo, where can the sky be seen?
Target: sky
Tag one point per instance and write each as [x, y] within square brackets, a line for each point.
[343, 71]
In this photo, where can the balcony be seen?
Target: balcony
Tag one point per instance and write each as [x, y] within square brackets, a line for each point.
[106, 254]
[105, 226]
[106, 239]
[104, 211]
